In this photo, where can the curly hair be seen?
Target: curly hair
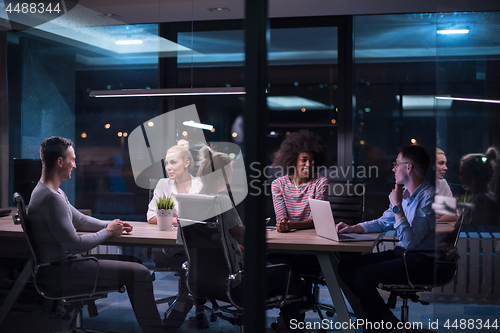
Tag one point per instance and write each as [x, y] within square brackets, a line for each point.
[302, 142]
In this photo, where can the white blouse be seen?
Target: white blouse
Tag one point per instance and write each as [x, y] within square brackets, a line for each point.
[166, 187]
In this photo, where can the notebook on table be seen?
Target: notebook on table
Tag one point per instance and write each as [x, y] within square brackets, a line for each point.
[325, 224]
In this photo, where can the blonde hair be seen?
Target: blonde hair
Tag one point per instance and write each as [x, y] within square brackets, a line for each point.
[182, 149]
[439, 151]
[209, 162]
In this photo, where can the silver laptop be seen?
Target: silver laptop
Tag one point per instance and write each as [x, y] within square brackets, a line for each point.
[325, 224]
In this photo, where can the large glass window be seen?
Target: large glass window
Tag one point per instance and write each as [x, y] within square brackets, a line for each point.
[415, 75]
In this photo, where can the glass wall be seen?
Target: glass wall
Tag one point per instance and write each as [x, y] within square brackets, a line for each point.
[400, 65]
[432, 80]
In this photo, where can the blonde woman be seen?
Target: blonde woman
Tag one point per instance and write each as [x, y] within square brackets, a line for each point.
[178, 163]
[442, 187]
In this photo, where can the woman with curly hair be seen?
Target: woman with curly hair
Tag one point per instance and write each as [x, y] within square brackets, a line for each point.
[301, 153]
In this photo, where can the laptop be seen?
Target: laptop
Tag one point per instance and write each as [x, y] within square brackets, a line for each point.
[325, 224]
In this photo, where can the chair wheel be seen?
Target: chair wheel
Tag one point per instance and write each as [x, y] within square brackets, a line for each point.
[329, 313]
[213, 318]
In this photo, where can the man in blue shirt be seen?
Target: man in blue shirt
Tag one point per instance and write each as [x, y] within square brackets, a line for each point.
[410, 214]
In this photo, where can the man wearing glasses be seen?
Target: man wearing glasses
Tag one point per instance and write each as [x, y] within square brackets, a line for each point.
[410, 214]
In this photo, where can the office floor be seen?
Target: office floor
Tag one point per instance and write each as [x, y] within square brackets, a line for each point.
[115, 313]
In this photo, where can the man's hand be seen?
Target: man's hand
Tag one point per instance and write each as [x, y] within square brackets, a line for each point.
[115, 228]
[283, 224]
[396, 195]
[343, 228]
[127, 227]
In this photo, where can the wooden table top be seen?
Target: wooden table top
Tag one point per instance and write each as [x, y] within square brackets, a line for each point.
[145, 234]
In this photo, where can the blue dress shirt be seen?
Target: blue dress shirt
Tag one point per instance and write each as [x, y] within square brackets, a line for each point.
[417, 231]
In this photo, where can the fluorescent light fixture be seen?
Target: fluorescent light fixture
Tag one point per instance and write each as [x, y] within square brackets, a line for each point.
[191, 123]
[294, 103]
[128, 42]
[168, 92]
[453, 32]
[464, 99]
[422, 102]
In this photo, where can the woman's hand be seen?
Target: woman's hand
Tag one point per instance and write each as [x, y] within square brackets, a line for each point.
[283, 224]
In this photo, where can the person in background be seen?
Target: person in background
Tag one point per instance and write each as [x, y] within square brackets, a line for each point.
[55, 222]
[476, 174]
[410, 214]
[442, 187]
[178, 163]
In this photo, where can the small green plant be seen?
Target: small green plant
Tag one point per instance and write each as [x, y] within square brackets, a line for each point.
[464, 197]
[165, 203]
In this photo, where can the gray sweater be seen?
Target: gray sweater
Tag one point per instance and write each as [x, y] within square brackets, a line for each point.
[54, 223]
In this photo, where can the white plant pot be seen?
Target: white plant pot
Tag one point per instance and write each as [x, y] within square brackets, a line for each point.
[164, 219]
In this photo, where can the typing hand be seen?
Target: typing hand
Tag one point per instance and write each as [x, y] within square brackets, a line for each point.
[115, 228]
[343, 228]
[283, 224]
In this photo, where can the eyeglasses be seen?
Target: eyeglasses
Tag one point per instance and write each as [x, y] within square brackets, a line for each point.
[395, 164]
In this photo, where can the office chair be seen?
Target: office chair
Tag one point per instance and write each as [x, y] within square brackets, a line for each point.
[72, 301]
[347, 201]
[164, 261]
[445, 271]
[210, 270]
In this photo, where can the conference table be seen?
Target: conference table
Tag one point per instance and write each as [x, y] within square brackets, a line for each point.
[148, 235]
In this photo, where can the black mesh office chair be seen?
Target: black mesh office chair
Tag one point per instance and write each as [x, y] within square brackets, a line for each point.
[74, 300]
[210, 270]
[445, 271]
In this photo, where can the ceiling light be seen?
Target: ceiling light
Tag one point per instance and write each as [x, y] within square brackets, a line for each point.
[480, 100]
[128, 42]
[453, 31]
[191, 123]
[294, 103]
[168, 92]
[421, 102]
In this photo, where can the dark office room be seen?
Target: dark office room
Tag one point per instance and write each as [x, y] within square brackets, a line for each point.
[374, 107]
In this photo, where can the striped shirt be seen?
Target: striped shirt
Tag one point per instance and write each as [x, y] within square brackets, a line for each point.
[291, 201]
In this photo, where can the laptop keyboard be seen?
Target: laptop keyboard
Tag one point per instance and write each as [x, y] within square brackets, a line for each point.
[345, 237]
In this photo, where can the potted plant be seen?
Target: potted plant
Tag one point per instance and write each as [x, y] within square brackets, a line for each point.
[164, 212]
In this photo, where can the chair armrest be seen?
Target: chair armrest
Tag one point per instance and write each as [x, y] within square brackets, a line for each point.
[382, 240]
[284, 296]
[68, 262]
[446, 259]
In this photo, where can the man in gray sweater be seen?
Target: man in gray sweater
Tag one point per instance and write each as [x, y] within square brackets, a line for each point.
[54, 223]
